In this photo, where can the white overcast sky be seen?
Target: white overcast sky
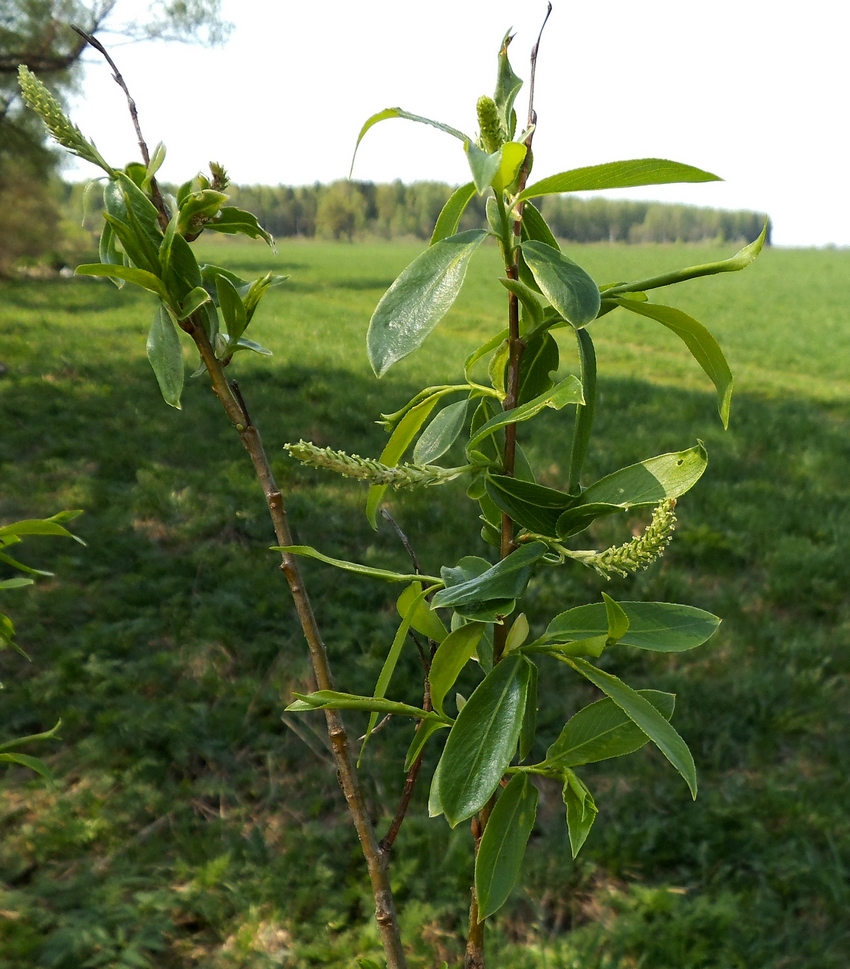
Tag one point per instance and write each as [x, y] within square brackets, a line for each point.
[753, 90]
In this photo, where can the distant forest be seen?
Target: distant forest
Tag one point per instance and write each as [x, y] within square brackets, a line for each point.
[351, 210]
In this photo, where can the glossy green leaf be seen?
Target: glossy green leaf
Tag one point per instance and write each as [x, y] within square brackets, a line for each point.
[166, 356]
[243, 343]
[25, 760]
[484, 166]
[108, 253]
[571, 291]
[648, 482]
[441, 433]
[388, 113]
[419, 299]
[356, 568]
[232, 308]
[15, 583]
[455, 651]
[538, 364]
[641, 712]
[452, 212]
[602, 731]
[534, 226]
[181, 273]
[525, 503]
[512, 155]
[332, 700]
[591, 646]
[193, 301]
[582, 516]
[139, 277]
[482, 352]
[507, 88]
[35, 526]
[400, 440]
[506, 579]
[704, 348]
[234, 221]
[503, 844]
[581, 811]
[254, 291]
[497, 367]
[567, 391]
[622, 174]
[662, 627]
[529, 718]
[483, 740]
[424, 733]
[423, 620]
[532, 307]
[584, 413]
[616, 617]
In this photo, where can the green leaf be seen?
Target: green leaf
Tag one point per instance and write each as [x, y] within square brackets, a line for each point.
[441, 433]
[507, 88]
[141, 214]
[622, 174]
[506, 579]
[34, 737]
[704, 348]
[512, 155]
[234, 221]
[534, 226]
[36, 526]
[602, 731]
[332, 700]
[528, 298]
[243, 343]
[616, 617]
[196, 209]
[388, 113]
[107, 251]
[354, 567]
[529, 718]
[566, 285]
[193, 301]
[423, 620]
[419, 299]
[539, 361]
[648, 482]
[455, 651]
[497, 367]
[449, 218]
[567, 391]
[484, 167]
[662, 627]
[530, 505]
[584, 413]
[17, 582]
[26, 761]
[181, 274]
[503, 844]
[232, 308]
[581, 811]
[426, 730]
[483, 740]
[641, 712]
[400, 439]
[138, 276]
[166, 356]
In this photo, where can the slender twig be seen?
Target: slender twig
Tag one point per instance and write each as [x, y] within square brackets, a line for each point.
[534, 52]
[156, 195]
[405, 541]
[386, 843]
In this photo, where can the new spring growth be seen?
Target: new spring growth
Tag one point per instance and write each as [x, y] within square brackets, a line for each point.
[367, 469]
[492, 136]
[67, 134]
[643, 549]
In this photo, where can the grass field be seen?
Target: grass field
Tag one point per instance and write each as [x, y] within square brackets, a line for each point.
[191, 827]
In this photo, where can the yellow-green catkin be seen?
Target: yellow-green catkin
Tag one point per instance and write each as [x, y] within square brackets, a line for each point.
[492, 135]
[642, 550]
[367, 469]
[67, 134]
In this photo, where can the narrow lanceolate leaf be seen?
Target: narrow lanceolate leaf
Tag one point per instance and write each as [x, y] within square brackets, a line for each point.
[507, 88]
[534, 226]
[234, 221]
[166, 356]
[332, 700]
[423, 620]
[704, 348]
[648, 482]
[505, 580]
[581, 811]
[483, 740]
[616, 617]
[388, 113]
[622, 174]
[308, 552]
[232, 308]
[25, 760]
[419, 299]
[567, 391]
[449, 219]
[426, 731]
[663, 627]
[642, 713]
[140, 277]
[484, 166]
[602, 730]
[566, 285]
[453, 654]
[503, 845]
[441, 433]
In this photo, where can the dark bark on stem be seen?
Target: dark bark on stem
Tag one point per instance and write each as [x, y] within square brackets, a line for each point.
[376, 859]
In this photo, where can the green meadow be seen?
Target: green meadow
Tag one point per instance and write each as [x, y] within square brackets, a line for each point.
[192, 825]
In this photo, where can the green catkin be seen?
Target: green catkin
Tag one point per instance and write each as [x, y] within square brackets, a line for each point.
[67, 134]
[367, 469]
[492, 136]
[643, 549]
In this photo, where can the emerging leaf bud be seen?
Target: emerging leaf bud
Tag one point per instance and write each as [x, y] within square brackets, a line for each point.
[492, 136]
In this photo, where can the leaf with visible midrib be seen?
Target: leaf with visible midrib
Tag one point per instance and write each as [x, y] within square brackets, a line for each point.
[166, 357]
[419, 299]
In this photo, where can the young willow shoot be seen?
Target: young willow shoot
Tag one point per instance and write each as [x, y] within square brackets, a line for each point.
[472, 611]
